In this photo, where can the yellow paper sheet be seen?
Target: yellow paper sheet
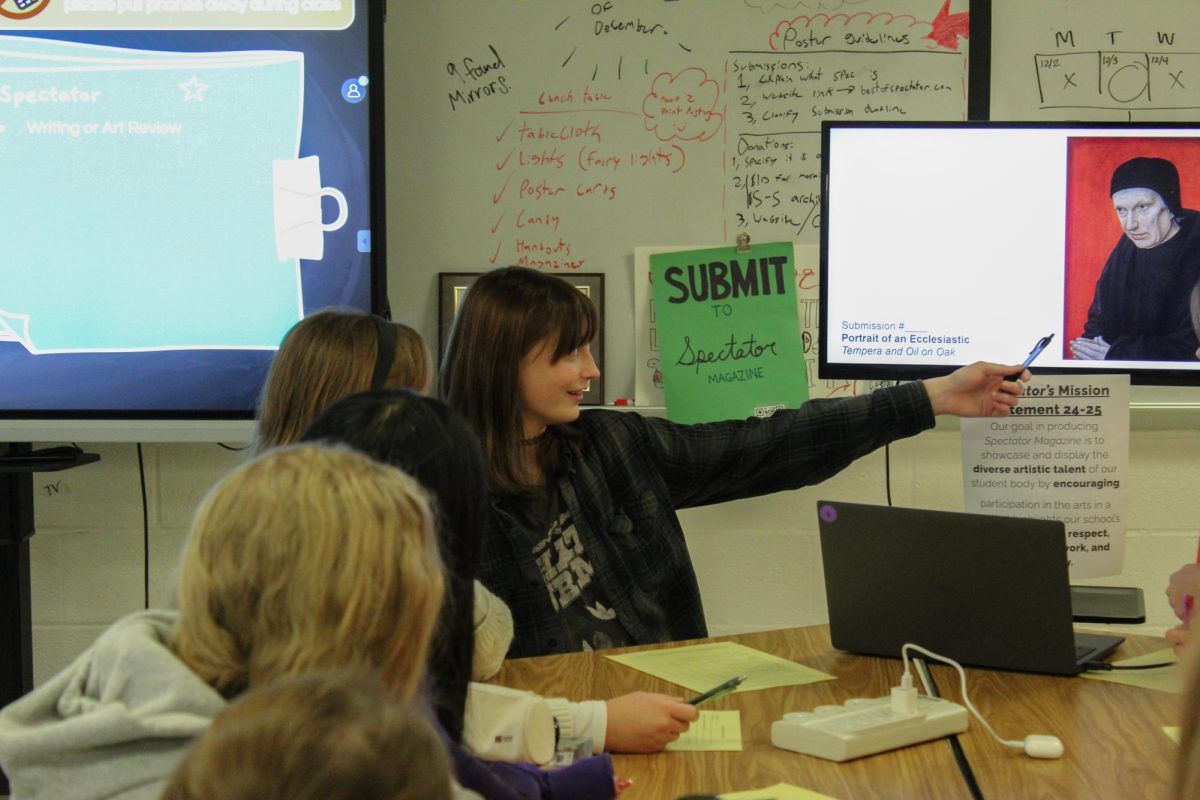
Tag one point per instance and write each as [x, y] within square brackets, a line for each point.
[1174, 731]
[715, 730]
[780, 791]
[1165, 679]
[700, 667]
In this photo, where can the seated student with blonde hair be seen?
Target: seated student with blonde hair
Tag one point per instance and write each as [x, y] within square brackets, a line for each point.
[336, 353]
[304, 559]
[331, 354]
[321, 736]
[270, 585]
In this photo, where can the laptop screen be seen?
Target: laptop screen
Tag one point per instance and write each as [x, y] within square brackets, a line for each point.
[987, 591]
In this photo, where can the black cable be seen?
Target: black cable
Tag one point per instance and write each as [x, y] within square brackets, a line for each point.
[960, 757]
[145, 531]
[234, 449]
[887, 466]
[1103, 666]
[887, 471]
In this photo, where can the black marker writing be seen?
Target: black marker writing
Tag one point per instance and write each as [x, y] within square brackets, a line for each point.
[729, 351]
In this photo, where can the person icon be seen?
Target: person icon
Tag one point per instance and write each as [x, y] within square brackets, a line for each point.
[1141, 307]
[354, 90]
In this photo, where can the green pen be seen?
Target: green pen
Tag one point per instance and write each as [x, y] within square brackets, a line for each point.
[717, 691]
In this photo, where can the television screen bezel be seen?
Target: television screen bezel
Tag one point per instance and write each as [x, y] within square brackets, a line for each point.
[224, 425]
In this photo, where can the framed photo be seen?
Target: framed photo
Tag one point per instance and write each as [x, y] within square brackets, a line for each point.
[453, 286]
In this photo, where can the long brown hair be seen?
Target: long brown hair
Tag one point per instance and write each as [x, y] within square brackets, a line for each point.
[325, 357]
[506, 314]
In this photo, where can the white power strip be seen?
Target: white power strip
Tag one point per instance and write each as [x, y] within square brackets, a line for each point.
[863, 727]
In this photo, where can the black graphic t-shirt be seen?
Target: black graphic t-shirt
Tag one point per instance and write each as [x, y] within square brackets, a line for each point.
[561, 557]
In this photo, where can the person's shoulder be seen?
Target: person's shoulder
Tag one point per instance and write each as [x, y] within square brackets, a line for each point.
[135, 655]
[605, 433]
[606, 420]
[143, 637]
[1189, 231]
[150, 625]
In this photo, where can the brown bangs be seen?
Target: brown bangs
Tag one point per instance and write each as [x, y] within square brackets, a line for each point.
[570, 318]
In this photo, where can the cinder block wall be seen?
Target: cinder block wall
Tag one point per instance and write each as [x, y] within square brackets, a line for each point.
[758, 560]
[87, 557]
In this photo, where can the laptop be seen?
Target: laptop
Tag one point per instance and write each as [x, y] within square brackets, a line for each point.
[987, 591]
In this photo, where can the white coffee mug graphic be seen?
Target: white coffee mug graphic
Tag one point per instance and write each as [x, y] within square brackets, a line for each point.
[299, 223]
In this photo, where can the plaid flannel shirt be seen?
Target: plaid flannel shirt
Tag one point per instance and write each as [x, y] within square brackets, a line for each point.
[625, 475]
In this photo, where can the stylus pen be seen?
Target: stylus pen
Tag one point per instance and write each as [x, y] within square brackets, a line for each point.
[717, 691]
[1037, 348]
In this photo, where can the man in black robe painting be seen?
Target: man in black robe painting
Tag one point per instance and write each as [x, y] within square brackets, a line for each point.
[1140, 311]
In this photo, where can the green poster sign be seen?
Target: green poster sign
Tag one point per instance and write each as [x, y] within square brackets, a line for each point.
[728, 332]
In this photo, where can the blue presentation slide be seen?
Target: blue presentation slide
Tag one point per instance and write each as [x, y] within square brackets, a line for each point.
[173, 202]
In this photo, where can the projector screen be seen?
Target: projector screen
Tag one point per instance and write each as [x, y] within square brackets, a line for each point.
[947, 243]
[181, 182]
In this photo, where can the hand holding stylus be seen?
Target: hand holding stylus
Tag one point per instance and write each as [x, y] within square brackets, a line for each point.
[1037, 349]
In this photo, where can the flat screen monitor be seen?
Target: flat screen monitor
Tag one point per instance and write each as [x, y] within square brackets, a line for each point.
[180, 182]
[948, 243]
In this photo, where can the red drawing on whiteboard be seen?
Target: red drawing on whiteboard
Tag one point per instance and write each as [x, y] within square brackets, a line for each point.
[845, 387]
[683, 106]
[948, 27]
[865, 31]
[807, 279]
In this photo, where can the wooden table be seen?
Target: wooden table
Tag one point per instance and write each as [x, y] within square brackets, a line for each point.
[1115, 745]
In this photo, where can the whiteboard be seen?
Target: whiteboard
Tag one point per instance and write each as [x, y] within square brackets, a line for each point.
[1095, 60]
[562, 135]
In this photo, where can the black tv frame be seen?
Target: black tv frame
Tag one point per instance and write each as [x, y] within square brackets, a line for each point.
[79, 423]
[1148, 376]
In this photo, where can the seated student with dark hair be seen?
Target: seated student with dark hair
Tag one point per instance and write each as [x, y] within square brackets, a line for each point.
[582, 539]
[321, 736]
[431, 442]
[335, 353]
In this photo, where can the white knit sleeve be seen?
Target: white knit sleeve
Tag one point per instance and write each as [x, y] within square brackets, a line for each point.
[493, 633]
[584, 720]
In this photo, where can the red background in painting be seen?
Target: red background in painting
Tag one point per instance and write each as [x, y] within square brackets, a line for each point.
[1092, 227]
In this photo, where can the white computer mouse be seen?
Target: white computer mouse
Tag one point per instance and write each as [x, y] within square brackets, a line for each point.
[1039, 745]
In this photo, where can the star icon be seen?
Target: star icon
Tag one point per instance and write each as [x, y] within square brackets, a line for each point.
[193, 89]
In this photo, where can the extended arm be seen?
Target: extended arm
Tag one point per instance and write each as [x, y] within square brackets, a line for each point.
[977, 390]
